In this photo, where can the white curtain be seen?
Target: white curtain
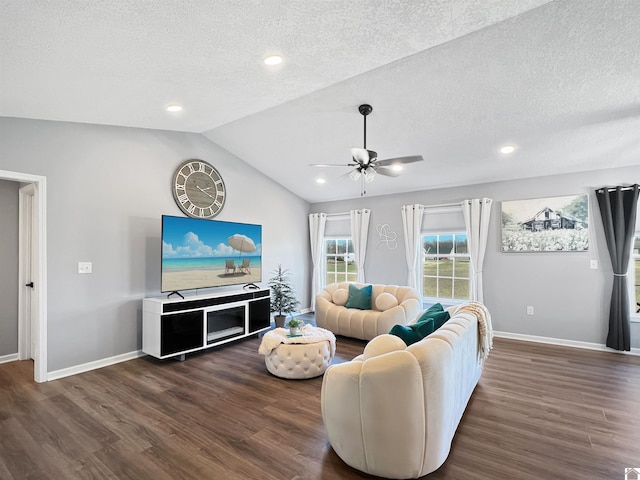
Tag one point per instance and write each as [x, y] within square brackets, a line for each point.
[412, 224]
[476, 218]
[317, 222]
[359, 235]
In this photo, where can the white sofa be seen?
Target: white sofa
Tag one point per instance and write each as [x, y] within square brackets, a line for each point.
[393, 411]
[366, 324]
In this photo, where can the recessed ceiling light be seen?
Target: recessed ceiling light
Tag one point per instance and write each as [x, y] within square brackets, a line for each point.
[507, 149]
[174, 108]
[273, 60]
[320, 180]
[396, 168]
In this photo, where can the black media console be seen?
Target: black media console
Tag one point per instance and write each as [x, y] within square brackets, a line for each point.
[175, 326]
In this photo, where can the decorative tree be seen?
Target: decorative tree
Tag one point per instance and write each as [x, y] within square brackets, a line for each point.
[283, 298]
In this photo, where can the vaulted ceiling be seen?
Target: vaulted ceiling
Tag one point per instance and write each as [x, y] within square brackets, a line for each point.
[451, 80]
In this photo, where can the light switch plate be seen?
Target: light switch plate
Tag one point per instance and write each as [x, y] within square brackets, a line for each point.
[593, 264]
[85, 267]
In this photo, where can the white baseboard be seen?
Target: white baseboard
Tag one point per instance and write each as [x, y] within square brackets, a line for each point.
[563, 342]
[9, 358]
[85, 367]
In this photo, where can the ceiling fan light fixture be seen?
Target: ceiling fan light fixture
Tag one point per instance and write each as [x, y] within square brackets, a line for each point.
[369, 174]
[354, 174]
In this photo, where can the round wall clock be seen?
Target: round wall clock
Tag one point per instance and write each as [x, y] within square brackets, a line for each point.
[198, 189]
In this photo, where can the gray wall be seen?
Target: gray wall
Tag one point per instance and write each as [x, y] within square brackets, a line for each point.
[8, 267]
[571, 301]
[107, 188]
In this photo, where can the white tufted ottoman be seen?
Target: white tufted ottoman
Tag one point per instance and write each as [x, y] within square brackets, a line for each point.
[299, 360]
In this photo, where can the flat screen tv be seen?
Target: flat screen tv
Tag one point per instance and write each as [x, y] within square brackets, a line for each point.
[199, 253]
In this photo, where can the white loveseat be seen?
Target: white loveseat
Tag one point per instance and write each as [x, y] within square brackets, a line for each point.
[398, 305]
[393, 411]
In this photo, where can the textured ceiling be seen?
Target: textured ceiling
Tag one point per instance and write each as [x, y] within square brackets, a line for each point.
[448, 79]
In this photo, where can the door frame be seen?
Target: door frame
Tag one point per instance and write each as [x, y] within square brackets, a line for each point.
[27, 255]
[39, 210]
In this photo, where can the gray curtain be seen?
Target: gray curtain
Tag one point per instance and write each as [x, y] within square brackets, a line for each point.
[618, 208]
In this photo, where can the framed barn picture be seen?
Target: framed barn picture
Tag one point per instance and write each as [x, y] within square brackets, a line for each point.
[552, 224]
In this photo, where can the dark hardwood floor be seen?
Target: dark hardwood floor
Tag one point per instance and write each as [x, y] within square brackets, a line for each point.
[539, 412]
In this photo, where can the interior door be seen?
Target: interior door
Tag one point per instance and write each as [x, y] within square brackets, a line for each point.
[28, 265]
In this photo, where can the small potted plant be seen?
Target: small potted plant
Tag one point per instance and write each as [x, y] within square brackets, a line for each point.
[295, 325]
[283, 298]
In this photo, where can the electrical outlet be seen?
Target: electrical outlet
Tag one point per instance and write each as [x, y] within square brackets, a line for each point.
[85, 267]
[529, 310]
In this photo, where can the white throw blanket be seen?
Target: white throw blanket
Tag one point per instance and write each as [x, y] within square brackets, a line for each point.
[485, 328]
[310, 334]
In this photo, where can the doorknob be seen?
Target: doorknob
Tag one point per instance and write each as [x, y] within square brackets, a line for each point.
[30, 284]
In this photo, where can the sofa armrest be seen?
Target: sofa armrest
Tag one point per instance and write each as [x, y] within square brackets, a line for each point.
[382, 344]
[323, 294]
[402, 314]
[369, 426]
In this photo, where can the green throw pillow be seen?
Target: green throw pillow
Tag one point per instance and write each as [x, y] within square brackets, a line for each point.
[436, 307]
[437, 313]
[359, 297]
[406, 334]
[413, 333]
[423, 327]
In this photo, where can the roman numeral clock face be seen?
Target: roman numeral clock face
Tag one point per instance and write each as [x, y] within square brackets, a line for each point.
[198, 189]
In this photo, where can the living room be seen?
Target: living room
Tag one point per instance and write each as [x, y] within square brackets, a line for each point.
[107, 187]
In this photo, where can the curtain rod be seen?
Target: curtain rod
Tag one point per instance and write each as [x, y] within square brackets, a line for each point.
[441, 205]
[337, 214]
[457, 204]
[613, 189]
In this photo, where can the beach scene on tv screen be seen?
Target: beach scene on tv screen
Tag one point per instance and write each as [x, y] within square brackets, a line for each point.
[209, 253]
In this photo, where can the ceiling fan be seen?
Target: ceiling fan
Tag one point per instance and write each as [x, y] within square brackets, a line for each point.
[365, 164]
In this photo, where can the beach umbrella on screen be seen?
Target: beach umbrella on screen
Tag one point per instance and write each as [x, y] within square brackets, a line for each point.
[242, 243]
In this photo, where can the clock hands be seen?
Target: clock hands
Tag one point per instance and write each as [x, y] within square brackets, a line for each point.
[204, 190]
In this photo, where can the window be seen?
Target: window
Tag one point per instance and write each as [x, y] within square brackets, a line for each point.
[341, 264]
[446, 267]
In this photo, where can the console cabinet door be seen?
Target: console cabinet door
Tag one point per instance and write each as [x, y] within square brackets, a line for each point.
[259, 314]
[181, 332]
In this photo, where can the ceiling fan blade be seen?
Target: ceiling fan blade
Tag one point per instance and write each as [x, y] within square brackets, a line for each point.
[399, 161]
[332, 164]
[363, 156]
[388, 171]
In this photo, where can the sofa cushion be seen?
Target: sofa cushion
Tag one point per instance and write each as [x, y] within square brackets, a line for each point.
[340, 296]
[359, 297]
[385, 301]
[382, 344]
[437, 313]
